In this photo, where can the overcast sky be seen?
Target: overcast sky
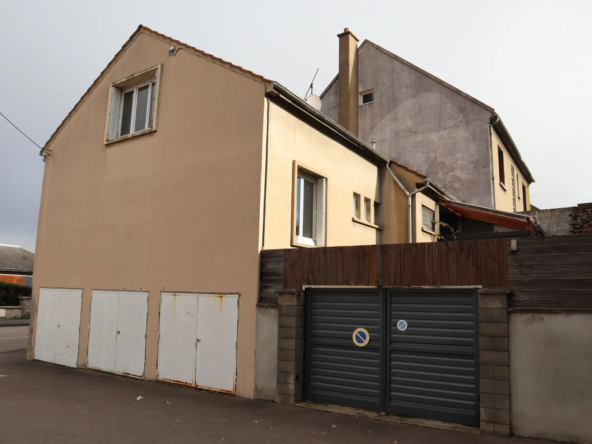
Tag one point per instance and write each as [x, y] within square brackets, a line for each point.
[530, 60]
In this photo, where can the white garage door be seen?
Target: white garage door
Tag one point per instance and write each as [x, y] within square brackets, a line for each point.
[117, 341]
[198, 335]
[58, 326]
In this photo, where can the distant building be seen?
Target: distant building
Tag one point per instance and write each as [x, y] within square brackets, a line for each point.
[16, 265]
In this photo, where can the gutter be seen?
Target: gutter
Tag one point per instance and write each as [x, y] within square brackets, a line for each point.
[409, 198]
[328, 122]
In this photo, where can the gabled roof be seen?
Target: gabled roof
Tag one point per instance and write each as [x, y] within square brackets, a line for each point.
[510, 220]
[16, 259]
[145, 29]
[499, 127]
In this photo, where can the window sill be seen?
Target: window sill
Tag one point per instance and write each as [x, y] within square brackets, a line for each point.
[130, 136]
[298, 244]
[368, 224]
[503, 186]
[430, 232]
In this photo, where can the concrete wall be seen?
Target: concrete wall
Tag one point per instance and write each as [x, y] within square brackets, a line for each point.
[291, 139]
[266, 354]
[424, 125]
[503, 193]
[550, 375]
[174, 210]
[554, 222]
[330, 100]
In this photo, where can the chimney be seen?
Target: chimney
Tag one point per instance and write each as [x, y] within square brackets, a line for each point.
[348, 81]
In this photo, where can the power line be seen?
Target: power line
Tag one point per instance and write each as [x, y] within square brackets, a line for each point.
[18, 129]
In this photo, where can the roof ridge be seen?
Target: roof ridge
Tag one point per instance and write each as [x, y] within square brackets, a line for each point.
[126, 45]
[424, 72]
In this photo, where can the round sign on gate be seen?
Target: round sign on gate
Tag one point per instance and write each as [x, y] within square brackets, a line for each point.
[361, 337]
[402, 325]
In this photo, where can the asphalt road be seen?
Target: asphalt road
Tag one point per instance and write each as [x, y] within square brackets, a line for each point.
[46, 403]
[13, 338]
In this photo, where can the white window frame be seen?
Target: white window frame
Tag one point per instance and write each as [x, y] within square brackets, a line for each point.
[299, 237]
[148, 76]
[433, 224]
[363, 93]
[151, 84]
[368, 210]
[357, 206]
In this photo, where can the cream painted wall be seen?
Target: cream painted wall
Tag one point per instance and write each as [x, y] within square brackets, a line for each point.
[420, 235]
[291, 139]
[503, 198]
[174, 210]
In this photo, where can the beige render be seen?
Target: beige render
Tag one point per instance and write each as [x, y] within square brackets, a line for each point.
[503, 196]
[181, 208]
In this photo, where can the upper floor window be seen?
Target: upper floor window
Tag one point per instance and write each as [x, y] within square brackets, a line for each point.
[132, 105]
[310, 209]
[367, 97]
[367, 210]
[357, 206]
[428, 218]
[524, 202]
[513, 189]
[500, 157]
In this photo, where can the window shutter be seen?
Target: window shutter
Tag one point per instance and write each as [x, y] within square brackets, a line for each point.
[321, 212]
[114, 113]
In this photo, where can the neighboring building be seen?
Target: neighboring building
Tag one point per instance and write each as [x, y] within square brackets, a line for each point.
[563, 221]
[162, 186]
[16, 265]
[427, 124]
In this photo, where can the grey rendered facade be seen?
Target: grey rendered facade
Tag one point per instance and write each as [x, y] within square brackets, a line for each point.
[426, 124]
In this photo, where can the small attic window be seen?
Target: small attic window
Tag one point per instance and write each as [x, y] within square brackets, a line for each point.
[367, 97]
[132, 105]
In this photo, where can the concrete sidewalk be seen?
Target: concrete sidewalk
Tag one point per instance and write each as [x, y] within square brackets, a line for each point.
[46, 403]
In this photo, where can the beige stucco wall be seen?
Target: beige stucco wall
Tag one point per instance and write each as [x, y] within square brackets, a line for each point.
[291, 139]
[503, 197]
[175, 210]
[550, 375]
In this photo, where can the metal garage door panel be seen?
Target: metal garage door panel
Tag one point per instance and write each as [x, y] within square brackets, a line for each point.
[178, 329]
[217, 327]
[103, 330]
[338, 371]
[47, 324]
[433, 368]
[68, 333]
[131, 337]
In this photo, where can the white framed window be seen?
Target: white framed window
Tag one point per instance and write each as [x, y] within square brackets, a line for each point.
[367, 210]
[428, 218]
[133, 105]
[357, 206]
[310, 209]
[513, 189]
[367, 97]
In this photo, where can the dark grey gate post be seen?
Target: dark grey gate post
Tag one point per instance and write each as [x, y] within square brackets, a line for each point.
[290, 345]
[494, 360]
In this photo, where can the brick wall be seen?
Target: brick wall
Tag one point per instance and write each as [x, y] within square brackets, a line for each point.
[581, 219]
[494, 361]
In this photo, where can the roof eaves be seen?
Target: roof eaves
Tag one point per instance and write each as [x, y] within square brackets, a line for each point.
[431, 76]
[510, 145]
[116, 57]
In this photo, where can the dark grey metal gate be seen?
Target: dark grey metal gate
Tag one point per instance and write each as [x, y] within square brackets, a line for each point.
[429, 369]
[337, 371]
[434, 363]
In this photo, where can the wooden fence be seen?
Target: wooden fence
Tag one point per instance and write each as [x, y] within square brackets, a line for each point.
[551, 273]
[479, 262]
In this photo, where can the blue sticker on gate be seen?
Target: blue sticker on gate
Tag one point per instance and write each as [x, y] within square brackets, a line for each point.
[402, 325]
[361, 337]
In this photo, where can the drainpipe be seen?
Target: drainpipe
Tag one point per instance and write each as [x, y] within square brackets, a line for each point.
[409, 198]
[491, 154]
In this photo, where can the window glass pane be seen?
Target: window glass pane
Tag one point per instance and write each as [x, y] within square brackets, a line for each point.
[152, 98]
[368, 98]
[427, 218]
[367, 204]
[298, 185]
[126, 113]
[307, 213]
[142, 108]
